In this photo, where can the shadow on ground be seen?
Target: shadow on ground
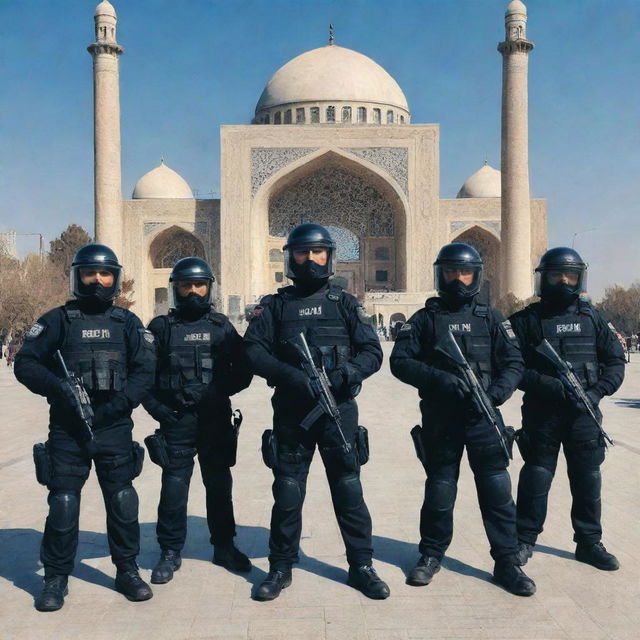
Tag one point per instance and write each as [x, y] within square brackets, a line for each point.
[630, 403]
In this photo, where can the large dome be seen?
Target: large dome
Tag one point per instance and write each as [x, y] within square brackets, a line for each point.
[332, 74]
[161, 182]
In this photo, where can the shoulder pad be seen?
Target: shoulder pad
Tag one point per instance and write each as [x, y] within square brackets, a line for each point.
[334, 292]
[118, 313]
[36, 329]
[217, 318]
[584, 306]
[147, 336]
[433, 304]
[481, 310]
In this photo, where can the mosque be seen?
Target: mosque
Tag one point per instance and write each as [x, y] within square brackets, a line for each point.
[332, 141]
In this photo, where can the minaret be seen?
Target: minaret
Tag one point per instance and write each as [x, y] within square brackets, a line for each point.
[515, 235]
[106, 126]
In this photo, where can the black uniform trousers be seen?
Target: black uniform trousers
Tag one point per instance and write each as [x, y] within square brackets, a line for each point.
[295, 452]
[115, 464]
[211, 441]
[584, 452]
[444, 441]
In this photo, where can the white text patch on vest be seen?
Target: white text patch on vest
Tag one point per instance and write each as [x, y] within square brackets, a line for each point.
[96, 333]
[460, 326]
[571, 327]
[310, 311]
[195, 337]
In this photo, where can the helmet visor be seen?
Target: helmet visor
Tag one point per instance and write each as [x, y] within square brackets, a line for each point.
[572, 279]
[296, 256]
[81, 278]
[182, 289]
[460, 277]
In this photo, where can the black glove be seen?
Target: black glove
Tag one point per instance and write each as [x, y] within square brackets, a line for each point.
[298, 382]
[64, 397]
[449, 386]
[550, 388]
[338, 380]
[595, 398]
[109, 412]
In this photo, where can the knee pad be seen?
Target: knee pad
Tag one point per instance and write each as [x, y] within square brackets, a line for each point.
[495, 488]
[347, 491]
[174, 490]
[124, 505]
[64, 510]
[535, 480]
[440, 495]
[287, 493]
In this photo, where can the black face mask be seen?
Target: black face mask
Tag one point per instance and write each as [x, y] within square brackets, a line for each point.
[310, 271]
[193, 305]
[559, 295]
[456, 291]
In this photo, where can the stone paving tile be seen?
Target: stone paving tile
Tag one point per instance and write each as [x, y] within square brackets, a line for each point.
[205, 601]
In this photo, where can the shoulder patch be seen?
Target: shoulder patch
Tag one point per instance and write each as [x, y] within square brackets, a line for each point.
[363, 316]
[147, 335]
[506, 325]
[406, 327]
[257, 311]
[35, 330]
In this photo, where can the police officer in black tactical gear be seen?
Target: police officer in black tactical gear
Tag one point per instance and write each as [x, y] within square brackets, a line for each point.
[201, 363]
[345, 345]
[551, 416]
[109, 351]
[451, 419]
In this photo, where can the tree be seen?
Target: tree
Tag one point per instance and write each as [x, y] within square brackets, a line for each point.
[65, 246]
[621, 307]
[509, 304]
[126, 291]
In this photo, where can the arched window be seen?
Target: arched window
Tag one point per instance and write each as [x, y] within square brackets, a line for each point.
[389, 117]
[401, 119]
[346, 114]
[277, 118]
[381, 253]
[300, 115]
[275, 255]
[173, 244]
[266, 119]
[362, 114]
[287, 116]
[314, 113]
[377, 116]
[331, 114]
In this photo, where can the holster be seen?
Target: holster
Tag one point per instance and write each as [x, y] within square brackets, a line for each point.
[138, 458]
[269, 448]
[362, 444]
[509, 435]
[157, 448]
[232, 444]
[416, 436]
[42, 462]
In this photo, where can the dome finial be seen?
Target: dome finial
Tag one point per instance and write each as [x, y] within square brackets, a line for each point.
[331, 34]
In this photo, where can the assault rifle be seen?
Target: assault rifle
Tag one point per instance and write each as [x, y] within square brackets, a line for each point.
[448, 346]
[572, 384]
[82, 406]
[321, 388]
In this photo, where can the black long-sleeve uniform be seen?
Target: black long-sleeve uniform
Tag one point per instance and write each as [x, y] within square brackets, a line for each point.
[450, 422]
[114, 356]
[551, 419]
[201, 362]
[345, 344]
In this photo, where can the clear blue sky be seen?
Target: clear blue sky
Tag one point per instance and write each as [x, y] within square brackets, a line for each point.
[193, 65]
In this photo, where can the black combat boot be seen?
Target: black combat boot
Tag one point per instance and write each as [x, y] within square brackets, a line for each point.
[597, 556]
[51, 597]
[423, 572]
[274, 583]
[366, 580]
[510, 575]
[525, 551]
[130, 584]
[169, 562]
[229, 557]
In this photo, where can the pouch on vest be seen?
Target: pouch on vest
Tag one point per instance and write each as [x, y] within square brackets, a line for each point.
[138, 458]
[418, 444]
[42, 462]
[269, 448]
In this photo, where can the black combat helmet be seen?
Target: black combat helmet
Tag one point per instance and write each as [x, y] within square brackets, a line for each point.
[94, 256]
[550, 284]
[308, 235]
[191, 268]
[457, 256]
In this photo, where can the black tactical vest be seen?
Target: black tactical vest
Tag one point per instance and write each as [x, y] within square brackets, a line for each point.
[190, 353]
[321, 318]
[471, 330]
[573, 336]
[95, 348]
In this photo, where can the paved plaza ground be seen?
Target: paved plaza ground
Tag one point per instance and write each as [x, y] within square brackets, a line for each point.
[573, 600]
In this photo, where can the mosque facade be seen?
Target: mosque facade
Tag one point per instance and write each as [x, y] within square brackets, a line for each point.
[332, 142]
